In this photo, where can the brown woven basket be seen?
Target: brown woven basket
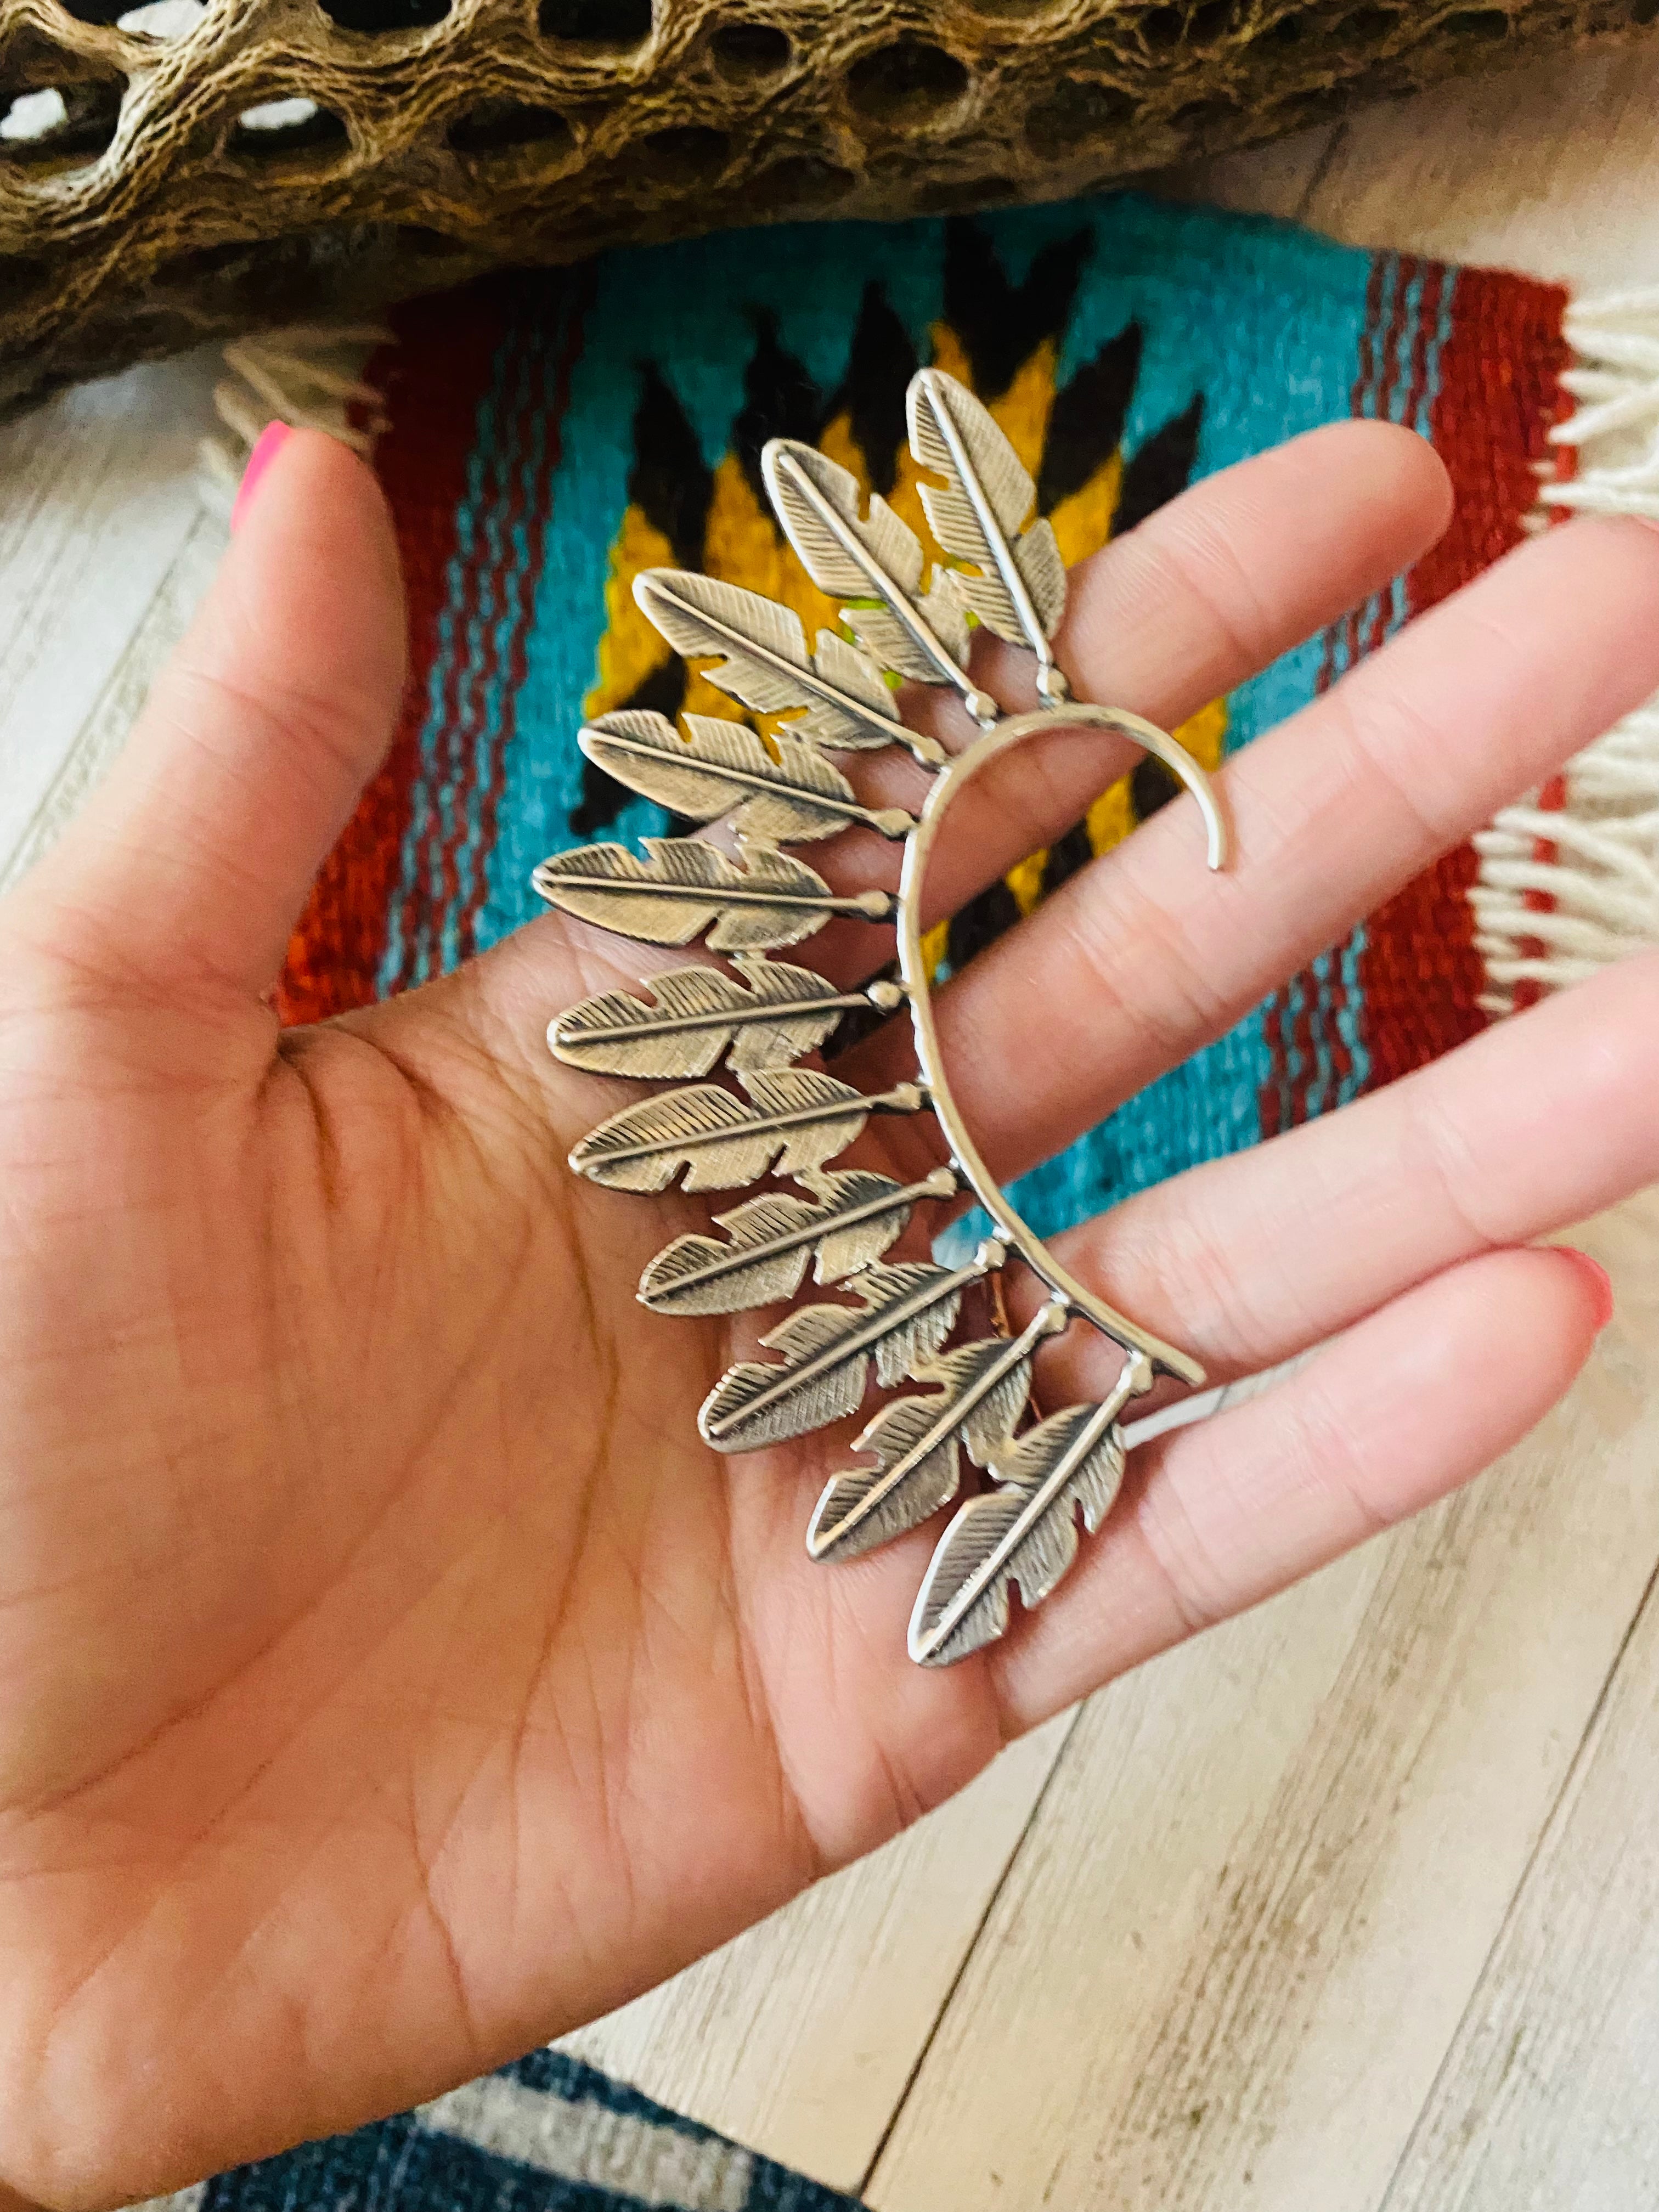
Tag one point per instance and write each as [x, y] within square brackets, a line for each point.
[191, 170]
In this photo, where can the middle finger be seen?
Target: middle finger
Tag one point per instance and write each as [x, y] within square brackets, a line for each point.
[1144, 957]
[1178, 612]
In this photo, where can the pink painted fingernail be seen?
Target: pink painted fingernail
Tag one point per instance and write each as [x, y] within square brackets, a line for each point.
[272, 439]
[1598, 1276]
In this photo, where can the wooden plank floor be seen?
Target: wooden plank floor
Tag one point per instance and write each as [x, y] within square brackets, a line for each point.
[1355, 1904]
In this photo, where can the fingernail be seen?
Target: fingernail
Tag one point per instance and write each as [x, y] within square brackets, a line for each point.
[1598, 1276]
[271, 439]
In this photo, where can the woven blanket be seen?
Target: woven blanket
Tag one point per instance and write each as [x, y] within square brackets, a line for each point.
[546, 2134]
[549, 436]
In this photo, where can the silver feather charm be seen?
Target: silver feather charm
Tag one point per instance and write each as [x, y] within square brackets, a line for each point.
[904, 1314]
[984, 1386]
[766, 1016]
[723, 768]
[851, 1219]
[764, 662]
[1000, 571]
[979, 513]
[1025, 1531]
[871, 562]
[793, 1122]
[683, 886]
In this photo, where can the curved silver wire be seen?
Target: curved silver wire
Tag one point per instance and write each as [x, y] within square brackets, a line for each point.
[918, 849]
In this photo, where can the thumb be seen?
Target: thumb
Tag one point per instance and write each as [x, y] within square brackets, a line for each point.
[191, 863]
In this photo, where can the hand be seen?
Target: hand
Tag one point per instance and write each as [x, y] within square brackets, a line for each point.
[389, 1678]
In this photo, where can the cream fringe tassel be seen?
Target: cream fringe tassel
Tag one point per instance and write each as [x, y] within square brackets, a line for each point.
[311, 378]
[1564, 890]
[1561, 891]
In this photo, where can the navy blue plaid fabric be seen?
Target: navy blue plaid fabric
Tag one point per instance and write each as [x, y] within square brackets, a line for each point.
[545, 2134]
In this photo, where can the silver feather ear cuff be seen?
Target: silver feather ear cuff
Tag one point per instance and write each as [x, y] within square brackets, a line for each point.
[1000, 570]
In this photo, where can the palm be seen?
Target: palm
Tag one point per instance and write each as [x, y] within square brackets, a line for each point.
[439, 1568]
[392, 1677]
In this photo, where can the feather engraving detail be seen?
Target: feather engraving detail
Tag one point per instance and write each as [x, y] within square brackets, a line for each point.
[985, 1385]
[792, 1121]
[724, 766]
[764, 662]
[683, 886]
[766, 1016]
[977, 514]
[1025, 1530]
[851, 1219]
[874, 565]
[904, 1314]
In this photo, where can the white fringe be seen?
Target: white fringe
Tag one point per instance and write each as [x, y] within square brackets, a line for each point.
[1561, 892]
[310, 377]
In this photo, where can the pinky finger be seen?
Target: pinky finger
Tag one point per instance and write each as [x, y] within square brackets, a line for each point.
[1389, 1417]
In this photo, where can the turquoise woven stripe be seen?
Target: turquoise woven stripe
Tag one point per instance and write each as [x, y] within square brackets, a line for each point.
[411, 951]
[508, 528]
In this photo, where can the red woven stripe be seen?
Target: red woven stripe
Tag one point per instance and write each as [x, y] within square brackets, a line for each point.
[1286, 1098]
[1500, 370]
[433, 382]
